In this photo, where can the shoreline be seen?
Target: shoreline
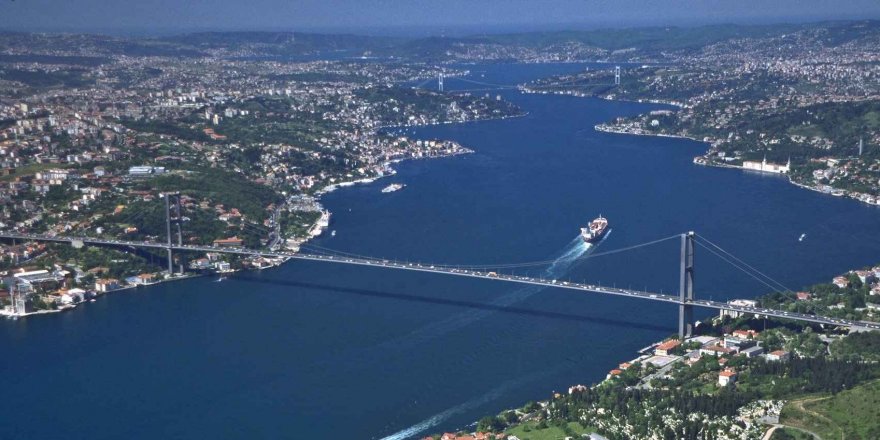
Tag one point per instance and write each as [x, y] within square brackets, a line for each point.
[835, 192]
[315, 231]
[69, 307]
[389, 164]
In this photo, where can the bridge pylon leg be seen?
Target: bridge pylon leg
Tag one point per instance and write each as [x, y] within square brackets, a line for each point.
[686, 287]
[168, 232]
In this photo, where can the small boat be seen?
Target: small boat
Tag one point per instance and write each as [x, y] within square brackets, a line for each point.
[333, 233]
[393, 187]
[804, 235]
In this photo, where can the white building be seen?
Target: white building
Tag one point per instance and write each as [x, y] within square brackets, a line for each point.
[738, 303]
[106, 285]
[767, 167]
[145, 170]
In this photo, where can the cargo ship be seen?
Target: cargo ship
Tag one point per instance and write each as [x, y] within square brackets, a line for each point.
[595, 230]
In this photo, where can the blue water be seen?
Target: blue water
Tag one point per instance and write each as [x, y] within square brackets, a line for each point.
[313, 350]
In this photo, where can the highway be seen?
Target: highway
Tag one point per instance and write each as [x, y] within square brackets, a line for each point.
[463, 272]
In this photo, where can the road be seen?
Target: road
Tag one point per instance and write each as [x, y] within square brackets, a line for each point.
[457, 271]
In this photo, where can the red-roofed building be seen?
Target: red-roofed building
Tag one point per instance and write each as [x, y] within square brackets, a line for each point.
[726, 377]
[667, 347]
[841, 282]
[745, 334]
[716, 350]
[804, 296]
[865, 276]
[229, 242]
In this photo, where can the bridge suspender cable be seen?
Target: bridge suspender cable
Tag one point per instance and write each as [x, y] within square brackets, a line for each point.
[745, 271]
[779, 285]
[329, 251]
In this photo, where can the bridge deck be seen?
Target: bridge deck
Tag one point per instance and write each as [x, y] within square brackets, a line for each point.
[449, 270]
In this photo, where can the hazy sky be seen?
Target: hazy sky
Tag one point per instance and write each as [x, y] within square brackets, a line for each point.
[359, 15]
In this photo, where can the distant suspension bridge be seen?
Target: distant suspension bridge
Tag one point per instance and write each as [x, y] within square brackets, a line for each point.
[489, 87]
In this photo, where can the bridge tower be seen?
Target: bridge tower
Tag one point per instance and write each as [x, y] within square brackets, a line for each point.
[440, 81]
[172, 217]
[686, 287]
[616, 75]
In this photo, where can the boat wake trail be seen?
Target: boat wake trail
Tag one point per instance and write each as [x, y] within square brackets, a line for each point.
[573, 251]
[476, 402]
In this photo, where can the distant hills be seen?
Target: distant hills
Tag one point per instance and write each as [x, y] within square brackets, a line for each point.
[638, 41]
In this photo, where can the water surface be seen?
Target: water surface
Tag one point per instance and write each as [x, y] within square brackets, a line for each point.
[313, 350]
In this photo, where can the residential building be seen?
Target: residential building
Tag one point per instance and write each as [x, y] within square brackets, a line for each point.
[778, 355]
[667, 347]
[726, 377]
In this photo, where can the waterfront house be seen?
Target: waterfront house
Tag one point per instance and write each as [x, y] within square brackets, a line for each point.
[576, 389]
[803, 296]
[200, 264]
[613, 373]
[767, 167]
[667, 347]
[726, 377]
[865, 276]
[841, 281]
[142, 279]
[105, 285]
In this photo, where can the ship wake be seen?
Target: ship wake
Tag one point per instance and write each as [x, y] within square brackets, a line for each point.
[469, 405]
[560, 266]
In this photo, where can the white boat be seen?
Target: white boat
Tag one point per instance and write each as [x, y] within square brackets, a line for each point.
[333, 233]
[804, 235]
[393, 187]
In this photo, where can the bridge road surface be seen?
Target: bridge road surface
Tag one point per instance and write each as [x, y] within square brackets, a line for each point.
[451, 270]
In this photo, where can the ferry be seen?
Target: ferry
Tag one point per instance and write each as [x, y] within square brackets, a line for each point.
[595, 230]
[393, 187]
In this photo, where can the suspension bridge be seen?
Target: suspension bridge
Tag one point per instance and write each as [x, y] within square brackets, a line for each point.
[685, 300]
[482, 86]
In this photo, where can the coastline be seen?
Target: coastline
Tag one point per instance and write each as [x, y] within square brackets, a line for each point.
[315, 231]
[704, 161]
[389, 164]
[69, 307]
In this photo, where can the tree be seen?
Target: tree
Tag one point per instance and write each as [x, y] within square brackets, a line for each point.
[491, 423]
[531, 407]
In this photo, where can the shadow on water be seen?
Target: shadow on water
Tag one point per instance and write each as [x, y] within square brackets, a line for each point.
[454, 302]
